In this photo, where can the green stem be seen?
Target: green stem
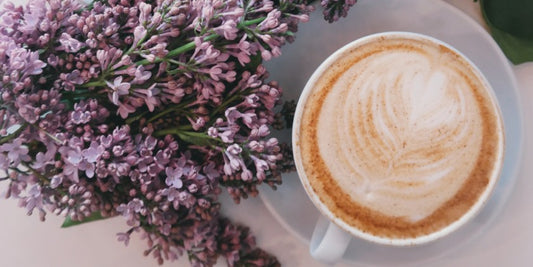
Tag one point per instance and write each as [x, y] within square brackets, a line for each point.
[41, 177]
[191, 137]
[165, 112]
[82, 96]
[77, 92]
[175, 62]
[226, 103]
[133, 47]
[161, 114]
[47, 133]
[17, 170]
[138, 117]
[10, 137]
[171, 109]
[94, 84]
[182, 49]
[173, 131]
[251, 22]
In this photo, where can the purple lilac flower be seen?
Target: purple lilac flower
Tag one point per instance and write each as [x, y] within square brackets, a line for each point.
[335, 9]
[147, 110]
[69, 44]
[118, 88]
[174, 177]
[124, 237]
[94, 152]
[16, 152]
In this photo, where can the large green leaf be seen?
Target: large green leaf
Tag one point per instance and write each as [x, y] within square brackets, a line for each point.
[511, 25]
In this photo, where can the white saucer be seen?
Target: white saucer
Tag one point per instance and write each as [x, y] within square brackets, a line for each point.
[317, 39]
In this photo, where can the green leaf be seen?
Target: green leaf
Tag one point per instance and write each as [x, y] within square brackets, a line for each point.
[516, 49]
[511, 26]
[95, 216]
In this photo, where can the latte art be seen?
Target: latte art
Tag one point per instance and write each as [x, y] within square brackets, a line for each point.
[399, 137]
[397, 133]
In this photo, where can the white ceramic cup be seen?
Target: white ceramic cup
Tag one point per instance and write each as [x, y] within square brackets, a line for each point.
[332, 236]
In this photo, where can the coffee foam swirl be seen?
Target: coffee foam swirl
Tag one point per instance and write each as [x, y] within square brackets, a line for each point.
[400, 131]
[396, 132]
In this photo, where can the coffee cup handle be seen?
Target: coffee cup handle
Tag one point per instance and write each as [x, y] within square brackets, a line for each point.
[328, 242]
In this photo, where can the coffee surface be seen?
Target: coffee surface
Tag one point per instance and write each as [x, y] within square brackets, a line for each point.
[399, 137]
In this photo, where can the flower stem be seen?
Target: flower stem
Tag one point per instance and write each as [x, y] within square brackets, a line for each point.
[10, 137]
[182, 49]
[43, 179]
[163, 113]
[136, 118]
[228, 102]
[25, 124]
[251, 22]
[47, 134]
[37, 174]
[94, 84]
[190, 137]
[173, 131]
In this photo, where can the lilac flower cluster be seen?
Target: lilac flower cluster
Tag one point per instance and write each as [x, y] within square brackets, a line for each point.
[335, 9]
[148, 110]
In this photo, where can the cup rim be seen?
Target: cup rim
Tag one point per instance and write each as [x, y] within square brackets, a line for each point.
[354, 231]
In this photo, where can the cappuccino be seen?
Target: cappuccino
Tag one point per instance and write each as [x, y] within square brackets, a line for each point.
[399, 137]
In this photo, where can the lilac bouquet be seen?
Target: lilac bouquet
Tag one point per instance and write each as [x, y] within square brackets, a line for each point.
[148, 110]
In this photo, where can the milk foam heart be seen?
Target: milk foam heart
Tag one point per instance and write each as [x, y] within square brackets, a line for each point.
[400, 137]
